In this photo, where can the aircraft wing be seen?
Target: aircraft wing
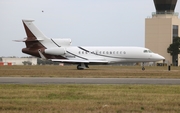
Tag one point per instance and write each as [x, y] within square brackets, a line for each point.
[74, 60]
[69, 61]
[78, 61]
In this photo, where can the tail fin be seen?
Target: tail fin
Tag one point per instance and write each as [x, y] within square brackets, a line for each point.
[32, 39]
[36, 42]
[32, 32]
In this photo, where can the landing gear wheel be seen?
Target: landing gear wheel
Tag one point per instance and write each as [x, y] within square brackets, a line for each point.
[79, 67]
[143, 68]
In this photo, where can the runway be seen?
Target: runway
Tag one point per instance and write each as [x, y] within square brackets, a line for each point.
[49, 80]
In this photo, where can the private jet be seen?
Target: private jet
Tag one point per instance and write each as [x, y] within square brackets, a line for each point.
[61, 50]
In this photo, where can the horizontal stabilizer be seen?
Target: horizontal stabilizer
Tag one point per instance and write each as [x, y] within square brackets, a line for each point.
[27, 20]
[21, 40]
[28, 40]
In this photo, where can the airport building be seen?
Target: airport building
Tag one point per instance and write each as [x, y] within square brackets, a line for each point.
[161, 28]
[19, 61]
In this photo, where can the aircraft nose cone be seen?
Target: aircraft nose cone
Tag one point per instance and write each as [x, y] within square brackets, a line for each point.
[159, 57]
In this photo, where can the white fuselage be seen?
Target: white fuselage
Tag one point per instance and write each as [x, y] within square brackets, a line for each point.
[110, 54]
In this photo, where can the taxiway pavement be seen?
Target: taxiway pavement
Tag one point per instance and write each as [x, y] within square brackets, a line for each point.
[49, 80]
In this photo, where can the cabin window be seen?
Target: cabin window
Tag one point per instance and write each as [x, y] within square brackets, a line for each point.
[124, 52]
[113, 52]
[106, 52]
[110, 52]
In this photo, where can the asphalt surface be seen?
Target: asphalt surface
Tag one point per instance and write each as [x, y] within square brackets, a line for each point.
[49, 80]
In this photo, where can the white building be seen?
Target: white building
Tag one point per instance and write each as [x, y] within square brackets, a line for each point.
[19, 61]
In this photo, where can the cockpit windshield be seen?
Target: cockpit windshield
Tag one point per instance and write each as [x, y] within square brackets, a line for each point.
[150, 51]
[147, 51]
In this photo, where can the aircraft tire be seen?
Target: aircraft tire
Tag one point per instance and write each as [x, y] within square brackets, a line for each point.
[143, 68]
[79, 67]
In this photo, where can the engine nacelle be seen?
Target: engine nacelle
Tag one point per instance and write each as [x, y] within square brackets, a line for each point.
[62, 42]
[55, 51]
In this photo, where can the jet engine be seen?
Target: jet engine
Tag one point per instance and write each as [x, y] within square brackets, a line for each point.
[62, 42]
[55, 51]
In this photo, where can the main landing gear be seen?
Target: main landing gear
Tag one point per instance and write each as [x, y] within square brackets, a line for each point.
[82, 66]
[143, 68]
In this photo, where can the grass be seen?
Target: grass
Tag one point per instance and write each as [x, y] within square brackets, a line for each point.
[92, 72]
[89, 98]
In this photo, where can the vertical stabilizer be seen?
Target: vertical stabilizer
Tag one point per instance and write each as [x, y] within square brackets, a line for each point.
[32, 39]
[32, 32]
[36, 42]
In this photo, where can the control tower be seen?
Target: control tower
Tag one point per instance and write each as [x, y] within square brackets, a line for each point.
[161, 28]
[165, 5]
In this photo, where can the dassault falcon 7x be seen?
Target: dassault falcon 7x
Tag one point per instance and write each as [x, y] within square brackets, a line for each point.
[60, 50]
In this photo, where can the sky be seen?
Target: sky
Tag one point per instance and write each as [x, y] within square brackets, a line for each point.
[85, 22]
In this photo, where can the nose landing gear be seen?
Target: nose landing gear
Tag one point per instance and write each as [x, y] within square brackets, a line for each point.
[143, 68]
